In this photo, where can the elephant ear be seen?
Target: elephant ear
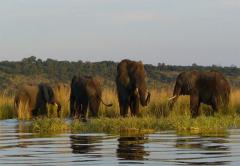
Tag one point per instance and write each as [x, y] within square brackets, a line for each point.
[189, 81]
[136, 71]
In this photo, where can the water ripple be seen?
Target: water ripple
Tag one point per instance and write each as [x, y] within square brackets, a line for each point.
[162, 148]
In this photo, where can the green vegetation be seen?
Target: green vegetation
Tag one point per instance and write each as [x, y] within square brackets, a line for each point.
[49, 125]
[13, 74]
[182, 124]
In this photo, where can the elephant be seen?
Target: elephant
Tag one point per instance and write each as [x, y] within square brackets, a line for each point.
[36, 96]
[85, 91]
[209, 87]
[131, 87]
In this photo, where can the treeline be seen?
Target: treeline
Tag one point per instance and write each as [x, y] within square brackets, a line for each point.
[36, 70]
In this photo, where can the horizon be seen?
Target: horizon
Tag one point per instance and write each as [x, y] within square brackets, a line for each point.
[171, 32]
[44, 60]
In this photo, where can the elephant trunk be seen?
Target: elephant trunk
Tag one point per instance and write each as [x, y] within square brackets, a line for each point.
[176, 93]
[59, 107]
[144, 97]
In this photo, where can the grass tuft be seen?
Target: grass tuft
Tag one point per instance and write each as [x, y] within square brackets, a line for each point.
[49, 125]
[6, 107]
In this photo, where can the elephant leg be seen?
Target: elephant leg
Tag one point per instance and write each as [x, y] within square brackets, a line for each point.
[124, 108]
[72, 106]
[76, 110]
[214, 105]
[94, 106]
[123, 99]
[134, 105]
[34, 112]
[194, 105]
[42, 109]
[83, 113]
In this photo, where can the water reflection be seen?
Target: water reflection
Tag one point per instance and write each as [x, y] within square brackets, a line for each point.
[19, 146]
[132, 147]
[202, 150]
[83, 144]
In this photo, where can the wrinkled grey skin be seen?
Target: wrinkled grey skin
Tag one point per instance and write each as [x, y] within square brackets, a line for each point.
[210, 88]
[85, 91]
[131, 86]
[37, 97]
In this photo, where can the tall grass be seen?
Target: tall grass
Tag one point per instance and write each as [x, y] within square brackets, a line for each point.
[158, 106]
[234, 105]
[23, 111]
[6, 107]
[156, 116]
[62, 94]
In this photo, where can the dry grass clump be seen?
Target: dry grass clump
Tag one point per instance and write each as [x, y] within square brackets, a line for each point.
[23, 111]
[234, 105]
[62, 94]
[6, 107]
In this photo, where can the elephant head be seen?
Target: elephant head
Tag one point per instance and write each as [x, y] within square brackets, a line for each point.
[185, 84]
[49, 96]
[138, 76]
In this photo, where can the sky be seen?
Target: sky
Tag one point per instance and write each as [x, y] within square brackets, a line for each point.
[179, 32]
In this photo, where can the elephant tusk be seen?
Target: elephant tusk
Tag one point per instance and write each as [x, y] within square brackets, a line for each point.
[136, 90]
[55, 104]
[171, 98]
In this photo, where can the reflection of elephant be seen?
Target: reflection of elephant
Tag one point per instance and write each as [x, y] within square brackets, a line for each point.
[82, 144]
[37, 97]
[85, 90]
[132, 148]
[205, 147]
[210, 88]
[131, 86]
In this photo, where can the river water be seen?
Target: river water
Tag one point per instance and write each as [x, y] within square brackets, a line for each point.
[162, 148]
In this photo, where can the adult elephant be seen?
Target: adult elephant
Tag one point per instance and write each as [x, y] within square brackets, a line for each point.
[131, 86]
[210, 88]
[85, 91]
[36, 96]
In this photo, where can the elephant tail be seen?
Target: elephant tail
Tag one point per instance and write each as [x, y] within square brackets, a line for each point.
[16, 103]
[108, 105]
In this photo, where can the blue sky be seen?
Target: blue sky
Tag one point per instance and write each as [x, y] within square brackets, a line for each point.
[178, 32]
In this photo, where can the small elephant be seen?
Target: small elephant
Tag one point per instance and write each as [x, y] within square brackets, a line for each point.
[85, 90]
[37, 97]
[131, 86]
[210, 88]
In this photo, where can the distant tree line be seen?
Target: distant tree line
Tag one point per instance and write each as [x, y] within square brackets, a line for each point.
[63, 71]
